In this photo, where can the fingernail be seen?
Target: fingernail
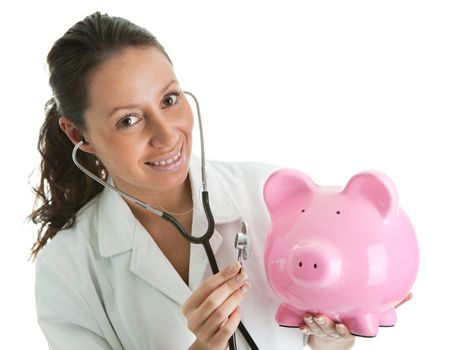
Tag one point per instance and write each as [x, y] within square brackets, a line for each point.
[340, 328]
[233, 267]
[240, 278]
[308, 319]
[320, 320]
[245, 287]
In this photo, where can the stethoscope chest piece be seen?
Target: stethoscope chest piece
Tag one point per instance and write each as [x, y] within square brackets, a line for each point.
[242, 243]
[242, 239]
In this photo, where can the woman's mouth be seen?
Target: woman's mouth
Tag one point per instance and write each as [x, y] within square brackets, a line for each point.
[170, 164]
[168, 161]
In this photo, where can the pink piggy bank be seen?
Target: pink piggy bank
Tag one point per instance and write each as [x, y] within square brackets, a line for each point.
[350, 254]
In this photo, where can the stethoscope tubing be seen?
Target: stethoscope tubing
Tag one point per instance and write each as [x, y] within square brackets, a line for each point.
[204, 239]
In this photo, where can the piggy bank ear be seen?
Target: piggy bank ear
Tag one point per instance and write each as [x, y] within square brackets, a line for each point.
[285, 183]
[378, 189]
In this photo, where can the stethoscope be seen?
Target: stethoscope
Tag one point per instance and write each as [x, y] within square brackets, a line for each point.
[241, 239]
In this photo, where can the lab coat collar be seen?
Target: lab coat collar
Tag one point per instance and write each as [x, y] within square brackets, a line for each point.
[222, 206]
[119, 231]
[117, 224]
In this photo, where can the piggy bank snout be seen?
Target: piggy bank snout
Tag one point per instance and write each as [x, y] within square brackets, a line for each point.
[314, 265]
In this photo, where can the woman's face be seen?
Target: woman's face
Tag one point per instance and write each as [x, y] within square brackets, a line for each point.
[135, 117]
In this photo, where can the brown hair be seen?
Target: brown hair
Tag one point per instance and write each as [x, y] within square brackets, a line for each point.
[63, 189]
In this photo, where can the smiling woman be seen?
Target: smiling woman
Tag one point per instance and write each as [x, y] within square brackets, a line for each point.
[108, 275]
[135, 116]
[89, 75]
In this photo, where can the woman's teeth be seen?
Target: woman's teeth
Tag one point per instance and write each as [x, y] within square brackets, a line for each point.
[168, 161]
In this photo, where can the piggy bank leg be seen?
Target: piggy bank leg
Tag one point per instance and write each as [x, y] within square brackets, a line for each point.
[388, 318]
[288, 318]
[363, 325]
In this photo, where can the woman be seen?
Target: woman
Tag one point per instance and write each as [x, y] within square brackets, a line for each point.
[110, 275]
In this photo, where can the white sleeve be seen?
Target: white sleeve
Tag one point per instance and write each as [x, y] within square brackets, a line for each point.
[64, 316]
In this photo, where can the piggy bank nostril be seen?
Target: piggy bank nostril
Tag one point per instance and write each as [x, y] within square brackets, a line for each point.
[315, 266]
[300, 264]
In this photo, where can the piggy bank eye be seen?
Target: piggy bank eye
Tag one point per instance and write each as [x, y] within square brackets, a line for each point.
[338, 212]
[302, 210]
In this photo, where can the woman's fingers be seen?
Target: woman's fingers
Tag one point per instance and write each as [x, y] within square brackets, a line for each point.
[311, 326]
[216, 321]
[408, 297]
[229, 327]
[342, 330]
[221, 302]
[212, 283]
[213, 310]
[327, 326]
[321, 326]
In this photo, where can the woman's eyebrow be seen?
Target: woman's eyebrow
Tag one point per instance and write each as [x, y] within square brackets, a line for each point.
[135, 105]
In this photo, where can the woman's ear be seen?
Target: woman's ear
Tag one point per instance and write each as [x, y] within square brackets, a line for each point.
[74, 134]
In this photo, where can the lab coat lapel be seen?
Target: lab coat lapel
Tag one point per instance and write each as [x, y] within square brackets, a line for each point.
[116, 223]
[221, 204]
[199, 264]
[120, 231]
[149, 263]
[223, 211]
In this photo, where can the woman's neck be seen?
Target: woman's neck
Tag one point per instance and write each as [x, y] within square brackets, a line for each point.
[178, 200]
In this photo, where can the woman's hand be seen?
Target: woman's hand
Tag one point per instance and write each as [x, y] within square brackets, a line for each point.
[213, 310]
[329, 335]
[408, 297]
[325, 334]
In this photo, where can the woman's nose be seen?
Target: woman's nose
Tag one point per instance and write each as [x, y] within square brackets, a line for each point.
[162, 133]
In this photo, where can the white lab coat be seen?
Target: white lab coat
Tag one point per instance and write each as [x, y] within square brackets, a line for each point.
[105, 284]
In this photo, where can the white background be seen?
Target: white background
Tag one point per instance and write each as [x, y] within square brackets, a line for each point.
[328, 87]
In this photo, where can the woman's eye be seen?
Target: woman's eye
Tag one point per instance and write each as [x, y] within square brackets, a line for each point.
[128, 121]
[171, 99]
